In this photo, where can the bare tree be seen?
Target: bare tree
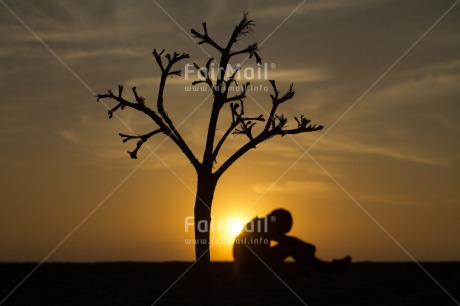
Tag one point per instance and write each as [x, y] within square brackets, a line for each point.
[207, 175]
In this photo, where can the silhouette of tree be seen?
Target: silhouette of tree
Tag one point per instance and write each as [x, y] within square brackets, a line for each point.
[241, 124]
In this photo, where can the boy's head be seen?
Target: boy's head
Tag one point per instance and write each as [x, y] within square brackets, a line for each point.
[280, 221]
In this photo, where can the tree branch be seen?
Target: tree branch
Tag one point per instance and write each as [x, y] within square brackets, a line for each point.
[258, 58]
[237, 110]
[230, 80]
[250, 49]
[158, 58]
[303, 127]
[232, 126]
[122, 103]
[140, 106]
[206, 39]
[204, 74]
[239, 97]
[244, 28]
[276, 101]
[142, 140]
[165, 72]
[240, 152]
[307, 129]
[275, 125]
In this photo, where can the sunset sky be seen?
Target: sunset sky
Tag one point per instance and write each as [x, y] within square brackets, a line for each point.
[380, 182]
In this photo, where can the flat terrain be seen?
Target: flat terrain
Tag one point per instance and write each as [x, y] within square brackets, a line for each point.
[143, 283]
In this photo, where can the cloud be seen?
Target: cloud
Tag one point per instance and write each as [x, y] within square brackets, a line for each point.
[391, 199]
[118, 52]
[425, 88]
[281, 11]
[410, 117]
[69, 136]
[389, 151]
[300, 75]
[281, 75]
[292, 187]
[441, 67]
[153, 81]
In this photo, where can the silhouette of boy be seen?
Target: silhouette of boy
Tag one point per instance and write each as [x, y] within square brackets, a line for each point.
[252, 250]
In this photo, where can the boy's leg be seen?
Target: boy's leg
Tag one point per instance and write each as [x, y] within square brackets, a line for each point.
[303, 253]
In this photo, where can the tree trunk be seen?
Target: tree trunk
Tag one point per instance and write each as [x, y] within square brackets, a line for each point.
[203, 204]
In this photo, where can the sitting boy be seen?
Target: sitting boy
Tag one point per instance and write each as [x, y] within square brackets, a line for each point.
[252, 251]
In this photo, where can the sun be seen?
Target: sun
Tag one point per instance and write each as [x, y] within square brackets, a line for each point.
[228, 227]
[235, 228]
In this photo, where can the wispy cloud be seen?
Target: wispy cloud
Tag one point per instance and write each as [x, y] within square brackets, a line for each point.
[293, 187]
[118, 52]
[69, 136]
[300, 75]
[280, 11]
[389, 151]
[391, 199]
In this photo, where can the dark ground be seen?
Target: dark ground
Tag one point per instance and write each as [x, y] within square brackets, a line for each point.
[143, 283]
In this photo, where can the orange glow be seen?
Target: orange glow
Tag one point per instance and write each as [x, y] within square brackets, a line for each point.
[373, 169]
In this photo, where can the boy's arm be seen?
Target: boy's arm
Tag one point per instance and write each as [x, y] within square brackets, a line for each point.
[277, 238]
